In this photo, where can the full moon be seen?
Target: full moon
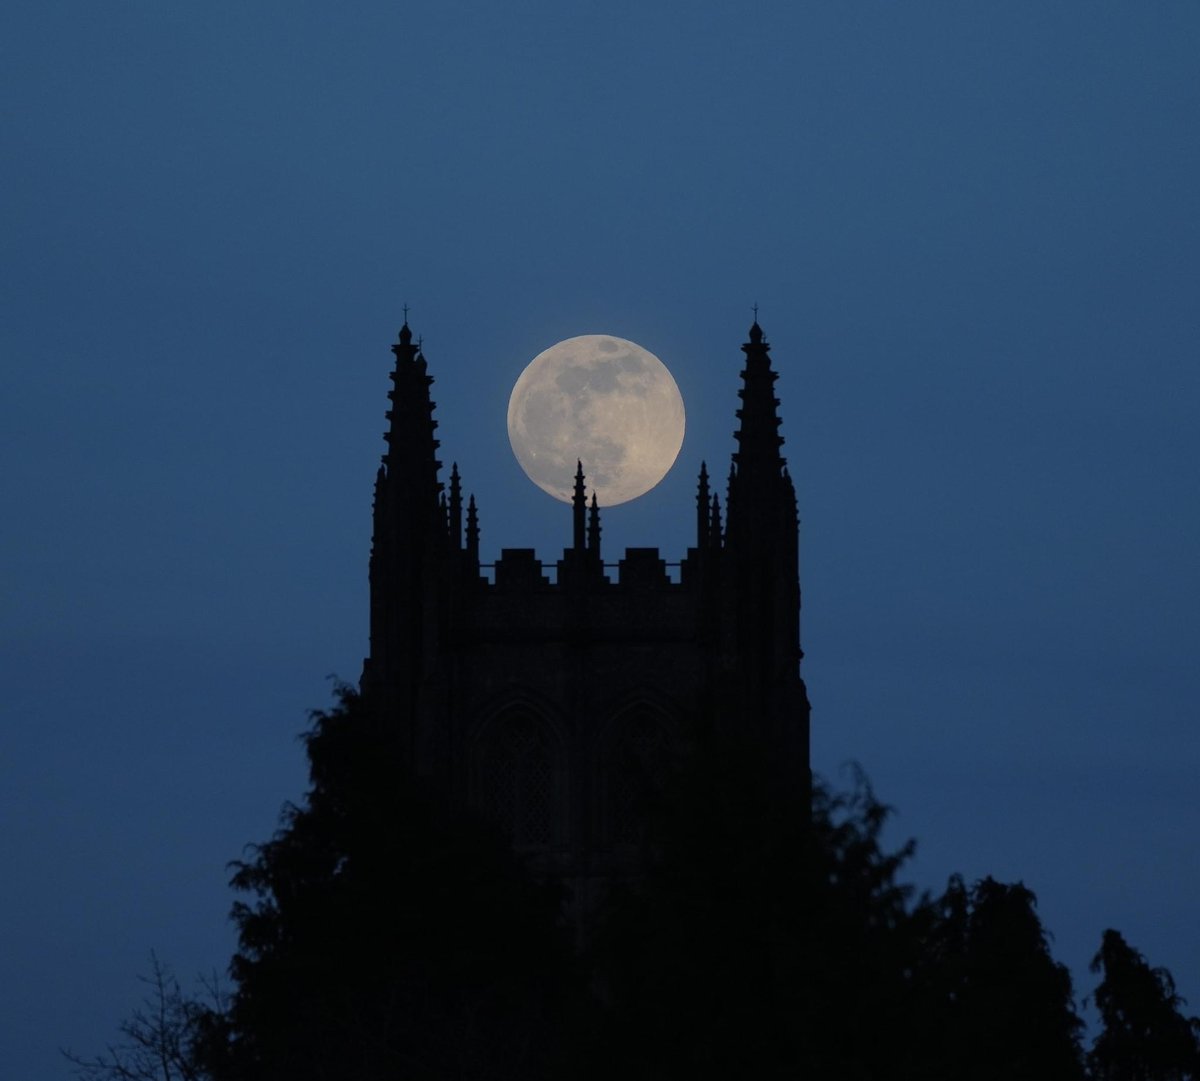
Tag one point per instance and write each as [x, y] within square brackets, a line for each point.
[602, 401]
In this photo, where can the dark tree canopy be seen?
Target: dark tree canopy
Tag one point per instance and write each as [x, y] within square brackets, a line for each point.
[1144, 1034]
[758, 946]
[993, 1001]
[385, 934]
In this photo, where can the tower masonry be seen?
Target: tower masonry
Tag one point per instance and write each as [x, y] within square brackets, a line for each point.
[554, 699]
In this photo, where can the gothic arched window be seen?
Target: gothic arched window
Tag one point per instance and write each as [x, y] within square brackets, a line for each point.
[639, 758]
[518, 783]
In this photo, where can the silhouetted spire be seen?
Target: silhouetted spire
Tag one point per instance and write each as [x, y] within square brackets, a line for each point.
[758, 434]
[455, 508]
[411, 458]
[593, 541]
[579, 507]
[756, 484]
[714, 528]
[472, 532]
[410, 521]
[702, 509]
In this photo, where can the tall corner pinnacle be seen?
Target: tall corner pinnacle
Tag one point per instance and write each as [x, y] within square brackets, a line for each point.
[411, 457]
[758, 431]
[757, 484]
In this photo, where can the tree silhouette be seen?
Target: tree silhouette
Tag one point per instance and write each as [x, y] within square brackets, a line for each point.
[388, 935]
[384, 932]
[158, 1041]
[993, 1003]
[765, 941]
[1144, 1036]
[862, 936]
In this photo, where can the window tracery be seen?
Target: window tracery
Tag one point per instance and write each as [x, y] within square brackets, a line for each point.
[519, 782]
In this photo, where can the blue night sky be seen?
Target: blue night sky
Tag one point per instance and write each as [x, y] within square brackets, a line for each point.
[974, 234]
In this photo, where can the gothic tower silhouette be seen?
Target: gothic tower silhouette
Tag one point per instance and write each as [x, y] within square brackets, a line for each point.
[554, 700]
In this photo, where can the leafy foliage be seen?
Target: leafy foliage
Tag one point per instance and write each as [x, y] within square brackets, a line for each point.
[993, 1001]
[767, 936]
[1144, 1037]
[387, 935]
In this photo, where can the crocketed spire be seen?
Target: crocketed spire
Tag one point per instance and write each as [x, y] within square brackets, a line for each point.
[411, 461]
[758, 484]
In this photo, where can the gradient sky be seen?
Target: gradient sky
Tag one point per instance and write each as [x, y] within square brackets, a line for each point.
[974, 233]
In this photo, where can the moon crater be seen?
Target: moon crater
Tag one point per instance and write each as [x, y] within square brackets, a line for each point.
[602, 401]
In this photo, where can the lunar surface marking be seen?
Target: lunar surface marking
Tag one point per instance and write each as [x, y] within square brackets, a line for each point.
[602, 401]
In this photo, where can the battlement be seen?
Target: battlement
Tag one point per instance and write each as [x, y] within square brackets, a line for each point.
[641, 569]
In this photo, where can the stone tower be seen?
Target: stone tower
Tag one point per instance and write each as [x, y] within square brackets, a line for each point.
[552, 698]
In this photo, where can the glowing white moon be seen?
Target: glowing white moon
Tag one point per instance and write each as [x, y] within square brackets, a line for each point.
[602, 401]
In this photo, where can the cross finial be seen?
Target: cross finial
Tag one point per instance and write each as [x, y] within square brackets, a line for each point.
[406, 313]
[755, 311]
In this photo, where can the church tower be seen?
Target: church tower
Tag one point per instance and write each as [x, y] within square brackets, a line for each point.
[552, 697]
